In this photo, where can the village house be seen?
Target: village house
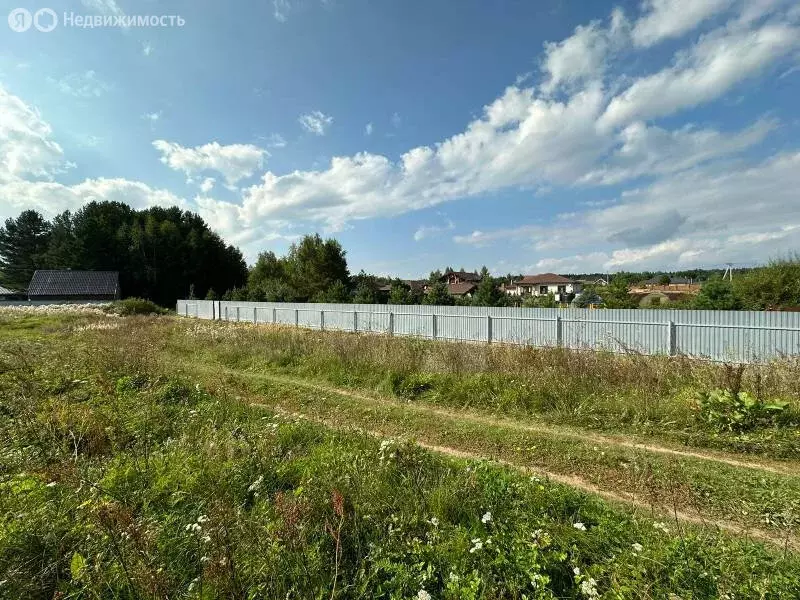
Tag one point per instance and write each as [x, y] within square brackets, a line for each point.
[461, 283]
[562, 288]
[74, 285]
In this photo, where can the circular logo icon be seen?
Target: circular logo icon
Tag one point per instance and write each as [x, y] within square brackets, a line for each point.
[20, 20]
[45, 20]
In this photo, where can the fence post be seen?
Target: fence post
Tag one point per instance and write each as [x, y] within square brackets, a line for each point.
[433, 327]
[255, 315]
[296, 318]
[237, 314]
[213, 311]
[391, 323]
[226, 314]
[274, 315]
[322, 320]
[355, 321]
[559, 332]
[186, 310]
[671, 339]
[488, 329]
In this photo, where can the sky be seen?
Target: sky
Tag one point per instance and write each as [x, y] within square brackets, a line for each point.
[571, 136]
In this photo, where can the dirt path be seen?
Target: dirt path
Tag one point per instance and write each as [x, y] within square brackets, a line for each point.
[551, 430]
[788, 542]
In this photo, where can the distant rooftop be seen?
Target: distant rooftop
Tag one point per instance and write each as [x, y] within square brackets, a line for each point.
[74, 283]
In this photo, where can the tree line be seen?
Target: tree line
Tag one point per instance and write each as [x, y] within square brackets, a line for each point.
[161, 253]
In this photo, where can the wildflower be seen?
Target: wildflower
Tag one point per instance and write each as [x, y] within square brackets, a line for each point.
[588, 588]
[434, 521]
[256, 484]
[52, 484]
[577, 571]
[423, 595]
[486, 518]
[637, 547]
[194, 527]
[452, 577]
[202, 519]
[661, 526]
[206, 539]
[477, 544]
[579, 526]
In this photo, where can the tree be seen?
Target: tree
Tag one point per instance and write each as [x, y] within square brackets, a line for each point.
[337, 293]
[716, 294]
[23, 243]
[400, 293]
[615, 294]
[488, 293]
[313, 266]
[774, 286]
[438, 294]
[664, 280]
[547, 301]
[211, 294]
[587, 297]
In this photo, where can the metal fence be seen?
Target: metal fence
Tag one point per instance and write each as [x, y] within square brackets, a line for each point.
[736, 336]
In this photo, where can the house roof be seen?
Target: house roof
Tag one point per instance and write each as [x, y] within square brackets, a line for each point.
[465, 275]
[416, 284]
[543, 279]
[459, 289]
[672, 280]
[74, 283]
[4, 291]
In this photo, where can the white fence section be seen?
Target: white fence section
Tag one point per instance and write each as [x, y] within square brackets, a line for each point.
[736, 336]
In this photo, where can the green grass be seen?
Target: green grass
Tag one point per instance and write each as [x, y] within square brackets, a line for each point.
[126, 473]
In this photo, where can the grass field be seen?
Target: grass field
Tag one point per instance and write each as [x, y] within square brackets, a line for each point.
[164, 457]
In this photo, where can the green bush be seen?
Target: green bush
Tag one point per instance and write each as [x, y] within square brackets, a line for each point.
[135, 306]
[722, 410]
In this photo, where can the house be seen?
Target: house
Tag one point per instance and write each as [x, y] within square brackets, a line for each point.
[512, 289]
[562, 288]
[455, 277]
[9, 294]
[462, 289]
[74, 285]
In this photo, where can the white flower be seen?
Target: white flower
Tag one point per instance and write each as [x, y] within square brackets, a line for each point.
[486, 518]
[477, 544]
[423, 595]
[52, 484]
[452, 576]
[579, 526]
[576, 570]
[637, 547]
[434, 521]
[202, 519]
[194, 527]
[206, 539]
[589, 588]
[256, 484]
[661, 526]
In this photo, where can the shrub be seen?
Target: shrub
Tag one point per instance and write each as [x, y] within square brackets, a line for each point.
[135, 306]
[723, 410]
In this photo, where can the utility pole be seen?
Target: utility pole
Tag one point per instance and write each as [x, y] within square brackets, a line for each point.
[728, 272]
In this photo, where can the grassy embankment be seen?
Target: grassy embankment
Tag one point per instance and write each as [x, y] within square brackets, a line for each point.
[161, 457]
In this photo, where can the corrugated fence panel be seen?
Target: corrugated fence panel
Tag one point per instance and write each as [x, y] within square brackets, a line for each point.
[743, 336]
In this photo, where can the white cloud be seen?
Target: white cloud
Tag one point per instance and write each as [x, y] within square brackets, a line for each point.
[276, 140]
[665, 19]
[397, 120]
[368, 129]
[26, 147]
[147, 48]
[105, 7]
[582, 56]
[235, 161]
[52, 198]
[153, 117]
[281, 10]
[207, 185]
[83, 85]
[315, 122]
[715, 64]
[427, 231]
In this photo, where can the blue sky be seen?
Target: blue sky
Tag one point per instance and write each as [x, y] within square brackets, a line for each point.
[558, 135]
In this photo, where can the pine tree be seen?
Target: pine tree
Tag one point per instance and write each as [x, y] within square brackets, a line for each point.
[23, 243]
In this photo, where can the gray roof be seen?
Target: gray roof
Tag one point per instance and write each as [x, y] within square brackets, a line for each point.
[4, 291]
[74, 283]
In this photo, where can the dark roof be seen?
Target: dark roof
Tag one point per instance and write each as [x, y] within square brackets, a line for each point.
[416, 284]
[672, 280]
[543, 279]
[459, 289]
[74, 283]
[463, 275]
